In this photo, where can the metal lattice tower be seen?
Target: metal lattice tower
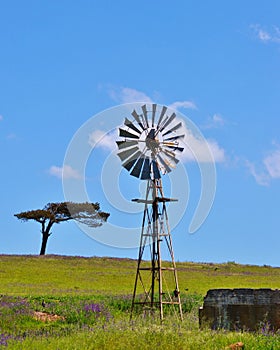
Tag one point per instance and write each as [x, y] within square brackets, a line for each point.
[155, 287]
[147, 151]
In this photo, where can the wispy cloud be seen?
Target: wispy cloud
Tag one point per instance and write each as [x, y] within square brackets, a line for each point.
[182, 104]
[216, 121]
[101, 139]
[272, 164]
[266, 36]
[268, 170]
[65, 172]
[261, 177]
[128, 95]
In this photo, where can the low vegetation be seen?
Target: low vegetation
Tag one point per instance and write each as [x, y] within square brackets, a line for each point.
[56, 302]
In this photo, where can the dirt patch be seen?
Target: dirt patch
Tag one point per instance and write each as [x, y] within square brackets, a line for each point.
[236, 346]
[45, 317]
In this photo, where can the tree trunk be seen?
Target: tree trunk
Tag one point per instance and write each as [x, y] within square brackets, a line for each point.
[46, 234]
[44, 243]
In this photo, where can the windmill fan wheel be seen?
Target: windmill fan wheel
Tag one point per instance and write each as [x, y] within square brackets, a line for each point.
[150, 142]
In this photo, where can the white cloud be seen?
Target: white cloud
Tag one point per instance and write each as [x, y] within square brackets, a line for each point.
[216, 121]
[219, 153]
[263, 36]
[272, 164]
[101, 139]
[268, 170]
[261, 177]
[266, 36]
[183, 104]
[128, 95]
[201, 150]
[65, 172]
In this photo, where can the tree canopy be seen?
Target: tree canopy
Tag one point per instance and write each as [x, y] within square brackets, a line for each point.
[55, 213]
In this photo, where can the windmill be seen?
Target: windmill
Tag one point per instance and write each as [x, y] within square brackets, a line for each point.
[148, 148]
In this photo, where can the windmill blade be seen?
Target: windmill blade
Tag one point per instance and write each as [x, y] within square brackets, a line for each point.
[154, 108]
[151, 134]
[137, 118]
[143, 122]
[125, 133]
[163, 122]
[176, 127]
[126, 144]
[175, 138]
[127, 153]
[146, 170]
[137, 168]
[144, 109]
[164, 109]
[175, 148]
[155, 170]
[170, 155]
[129, 123]
[164, 163]
[128, 164]
[170, 119]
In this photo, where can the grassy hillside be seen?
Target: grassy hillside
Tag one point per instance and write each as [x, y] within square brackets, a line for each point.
[61, 275]
[57, 302]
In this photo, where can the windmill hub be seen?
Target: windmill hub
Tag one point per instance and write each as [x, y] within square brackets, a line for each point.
[152, 142]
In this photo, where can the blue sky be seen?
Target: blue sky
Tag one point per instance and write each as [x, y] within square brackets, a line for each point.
[217, 62]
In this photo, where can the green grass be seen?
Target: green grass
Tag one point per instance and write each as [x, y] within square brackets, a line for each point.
[103, 323]
[57, 275]
[62, 275]
[142, 339]
[93, 297]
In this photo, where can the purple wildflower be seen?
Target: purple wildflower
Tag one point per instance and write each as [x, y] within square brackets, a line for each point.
[16, 305]
[4, 339]
[96, 308]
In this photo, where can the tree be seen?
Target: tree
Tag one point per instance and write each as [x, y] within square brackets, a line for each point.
[55, 213]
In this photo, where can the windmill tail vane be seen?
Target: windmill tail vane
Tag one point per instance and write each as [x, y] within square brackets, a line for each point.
[148, 149]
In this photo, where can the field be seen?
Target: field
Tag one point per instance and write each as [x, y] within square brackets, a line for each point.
[59, 302]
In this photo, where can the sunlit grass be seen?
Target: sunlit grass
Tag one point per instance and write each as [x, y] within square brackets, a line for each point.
[92, 297]
[58, 275]
[145, 334]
